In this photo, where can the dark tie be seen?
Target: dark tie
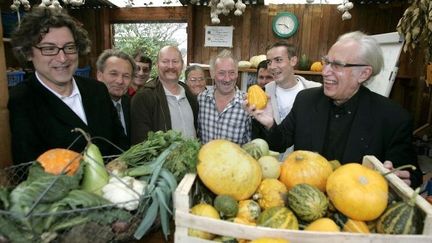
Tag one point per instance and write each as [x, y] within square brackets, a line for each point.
[120, 115]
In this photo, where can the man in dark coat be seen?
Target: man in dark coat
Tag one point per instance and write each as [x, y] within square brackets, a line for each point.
[343, 120]
[116, 70]
[46, 107]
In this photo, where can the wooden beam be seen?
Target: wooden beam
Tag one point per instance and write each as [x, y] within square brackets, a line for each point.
[5, 143]
[190, 33]
[131, 15]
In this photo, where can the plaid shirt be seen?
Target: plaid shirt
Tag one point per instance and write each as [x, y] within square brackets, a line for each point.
[233, 123]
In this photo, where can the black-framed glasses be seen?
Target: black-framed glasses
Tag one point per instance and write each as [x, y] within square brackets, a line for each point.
[54, 50]
[338, 66]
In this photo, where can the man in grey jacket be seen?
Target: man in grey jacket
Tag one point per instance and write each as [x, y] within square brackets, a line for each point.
[281, 60]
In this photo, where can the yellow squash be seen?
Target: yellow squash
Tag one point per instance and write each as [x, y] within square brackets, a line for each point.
[226, 169]
[249, 210]
[358, 192]
[323, 225]
[271, 193]
[316, 67]
[257, 96]
[269, 240]
[204, 210]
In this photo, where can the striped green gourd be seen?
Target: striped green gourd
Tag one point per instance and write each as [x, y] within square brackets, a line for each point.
[307, 202]
[278, 217]
[401, 218]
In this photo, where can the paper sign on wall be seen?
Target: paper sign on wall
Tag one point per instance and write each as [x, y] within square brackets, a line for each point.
[218, 36]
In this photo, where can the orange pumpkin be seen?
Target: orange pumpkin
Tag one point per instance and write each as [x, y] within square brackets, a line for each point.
[305, 167]
[58, 160]
[358, 192]
[257, 97]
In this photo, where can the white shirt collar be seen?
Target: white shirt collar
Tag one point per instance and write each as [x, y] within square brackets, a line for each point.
[75, 90]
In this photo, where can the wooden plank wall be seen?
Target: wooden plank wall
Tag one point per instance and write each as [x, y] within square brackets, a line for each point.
[320, 25]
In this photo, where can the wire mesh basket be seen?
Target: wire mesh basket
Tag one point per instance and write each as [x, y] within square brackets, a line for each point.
[45, 202]
[36, 206]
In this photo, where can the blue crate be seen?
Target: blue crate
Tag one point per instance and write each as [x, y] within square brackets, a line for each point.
[85, 71]
[15, 78]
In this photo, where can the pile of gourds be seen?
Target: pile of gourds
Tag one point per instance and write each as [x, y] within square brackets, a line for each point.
[308, 192]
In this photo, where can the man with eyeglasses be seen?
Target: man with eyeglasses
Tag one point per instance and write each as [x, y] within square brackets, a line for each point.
[164, 103]
[281, 61]
[116, 70]
[221, 115]
[142, 74]
[195, 79]
[51, 102]
[344, 120]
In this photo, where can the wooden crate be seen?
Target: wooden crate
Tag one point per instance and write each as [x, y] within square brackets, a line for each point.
[185, 220]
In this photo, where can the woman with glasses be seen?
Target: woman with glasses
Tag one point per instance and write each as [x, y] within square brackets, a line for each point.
[51, 102]
[343, 120]
[195, 79]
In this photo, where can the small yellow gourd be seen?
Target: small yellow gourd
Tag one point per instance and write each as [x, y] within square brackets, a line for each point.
[257, 97]
[249, 210]
[271, 193]
[323, 225]
[316, 67]
[269, 240]
[204, 210]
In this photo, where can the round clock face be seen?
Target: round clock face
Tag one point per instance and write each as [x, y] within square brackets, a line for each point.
[285, 24]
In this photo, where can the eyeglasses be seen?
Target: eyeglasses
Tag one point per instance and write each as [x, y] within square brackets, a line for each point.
[193, 80]
[54, 50]
[277, 60]
[338, 66]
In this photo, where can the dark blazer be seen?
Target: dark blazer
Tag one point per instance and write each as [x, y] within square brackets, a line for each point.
[40, 121]
[380, 127]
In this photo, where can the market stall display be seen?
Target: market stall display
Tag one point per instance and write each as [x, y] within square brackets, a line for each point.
[320, 215]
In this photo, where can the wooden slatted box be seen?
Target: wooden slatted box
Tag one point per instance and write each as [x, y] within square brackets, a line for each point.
[185, 220]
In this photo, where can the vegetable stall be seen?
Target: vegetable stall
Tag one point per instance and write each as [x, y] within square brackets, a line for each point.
[65, 195]
[215, 192]
[323, 202]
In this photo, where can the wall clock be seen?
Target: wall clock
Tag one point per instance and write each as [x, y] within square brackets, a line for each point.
[285, 24]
